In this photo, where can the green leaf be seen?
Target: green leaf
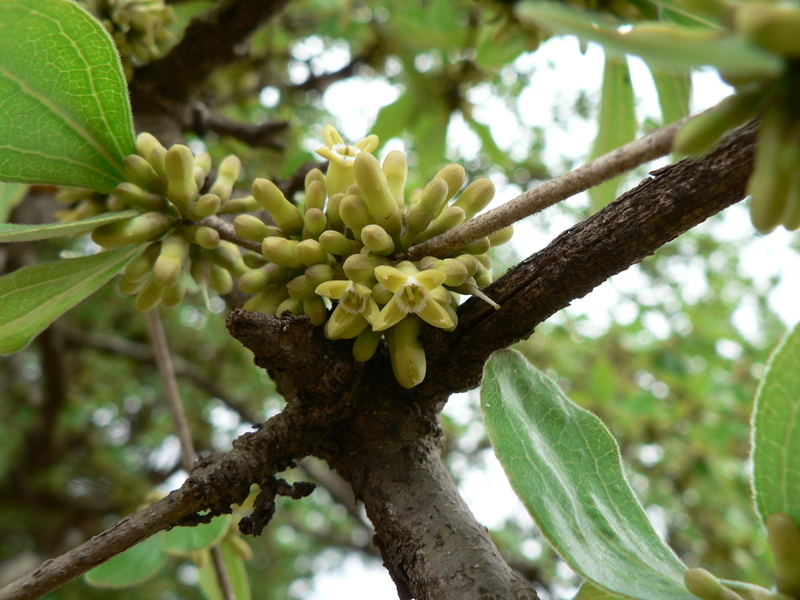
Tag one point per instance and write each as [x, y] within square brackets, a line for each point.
[591, 592]
[10, 195]
[132, 567]
[674, 91]
[776, 432]
[237, 575]
[616, 123]
[565, 466]
[65, 118]
[10, 232]
[659, 44]
[33, 297]
[181, 540]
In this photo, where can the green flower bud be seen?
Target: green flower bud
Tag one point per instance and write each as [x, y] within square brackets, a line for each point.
[132, 195]
[202, 236]
[290, 305]
[355, 214]
[141, 172]
[365, 345]
[311, 252]
[475, 197]
[129, 287]
[169, 265]
[234, 206]
[332, 213]
[316, 310]
[434, 197]
[704, 585]
[395, 167]
[257, 280]
[204, 206]
[251, 228]
[312, 176]
[338, 244]
[376, 240]
[158, 160]
[254, 260]
[455, 271]
[372, 181]
[381, 294]
[301, 288]
[228, 256]
[317, 274]
[484, 276]
[478, 247]
[146, 143]
[114, 204]
[498, 238]
[315, 223]
[360, 268]
[447, 219]
[181, 185]
[227, 174]
[141, 266]
[455, 176]
[268, 301]
[142, 228]
[149, 296]
[315, 195]
[202, 165]
[220, 279]
[407, 354]
[281, 252]
[173, 296]
[470, 287]
[285, 214]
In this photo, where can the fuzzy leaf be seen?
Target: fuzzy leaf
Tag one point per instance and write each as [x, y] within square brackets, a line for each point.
[33, 297]
[65, 117]
[132, 567]
[11, 232]
[181, 540]
[565, 467]
[776, 432]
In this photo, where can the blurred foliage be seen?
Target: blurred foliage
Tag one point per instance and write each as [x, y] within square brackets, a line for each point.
[85, 432]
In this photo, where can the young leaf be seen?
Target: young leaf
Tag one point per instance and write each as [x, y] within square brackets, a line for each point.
[181, 540]
[10, 196]
[660, 44]
[11, 232]
[776, 432]
[616, 122]
[565, 467]
[588, 591]
[65, 118]
[237, 575]
[674, 90]
[132, 567]
[33, 297]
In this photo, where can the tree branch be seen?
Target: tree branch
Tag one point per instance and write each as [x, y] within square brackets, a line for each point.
[544, 195]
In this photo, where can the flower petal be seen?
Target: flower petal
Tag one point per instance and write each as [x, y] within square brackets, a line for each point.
[432, 278]
[390, 315]
[434, 314]
[342, 322]
[331, 136]
[368, 144]
[332, 289]
[391, 278]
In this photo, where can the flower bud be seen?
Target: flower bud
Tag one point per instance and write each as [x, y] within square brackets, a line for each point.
[372, 181]
[234, 206]
[202, 236]
[132, 195]
[251, 228]
[332, 212]
[290, 305]
[355, 214]
[141, 266]
[407, 354]
[475, 197]
[337, 244]
[173, 296]
[311, 252]
[204, 206]
[360, 268]
[498, 238]
[315, 195]
[145, 144]
[455, 271]
[316, 310]
[169, 265]
[129, 287]
[220, 279]
[455, 176]
[285, 214]
[376, 240]
[315, 223]
[149, 296]
[366, 344]
[395, 167]
[281, 252]
[228, 256]
[142, 228]
[227, 174]
[140, 172]
[181, 184]
[301, 288]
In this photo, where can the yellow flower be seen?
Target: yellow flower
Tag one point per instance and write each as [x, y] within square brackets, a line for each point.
[340, 174]
[356, 308]
[412, 295]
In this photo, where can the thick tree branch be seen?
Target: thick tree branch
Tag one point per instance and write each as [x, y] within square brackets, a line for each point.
[672, 201]
[260, 135]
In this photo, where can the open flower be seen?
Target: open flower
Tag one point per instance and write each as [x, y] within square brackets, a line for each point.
[340, 173]
[356, 308]
[412, 295]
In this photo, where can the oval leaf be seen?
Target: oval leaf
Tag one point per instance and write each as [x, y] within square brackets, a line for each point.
[180, 540]
[11, 232]
[33, 297]
[132, 567]
[65, 118]
[776, 432]
[565, 467]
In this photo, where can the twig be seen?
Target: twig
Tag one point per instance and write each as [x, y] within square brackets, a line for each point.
[188, 454]
[603, 168]
[260, 135]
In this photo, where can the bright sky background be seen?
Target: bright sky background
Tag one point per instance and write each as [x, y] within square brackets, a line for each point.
[560, 73]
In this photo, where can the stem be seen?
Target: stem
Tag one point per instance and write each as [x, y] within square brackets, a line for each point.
[602, 168]
[173, 395]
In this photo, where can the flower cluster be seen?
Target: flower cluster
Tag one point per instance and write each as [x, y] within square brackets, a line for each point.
[340, 249]
[340, 246]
